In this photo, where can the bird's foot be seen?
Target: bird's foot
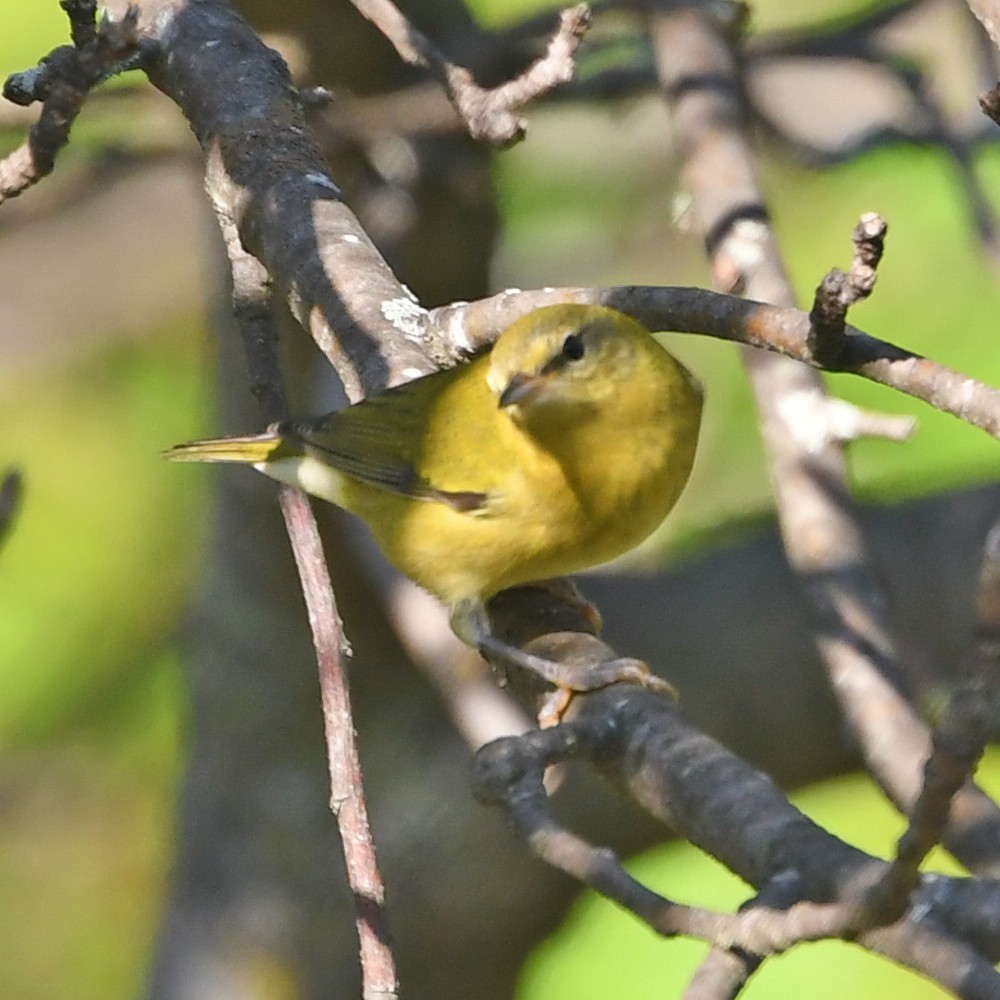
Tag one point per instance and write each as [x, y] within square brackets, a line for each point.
[569, 677]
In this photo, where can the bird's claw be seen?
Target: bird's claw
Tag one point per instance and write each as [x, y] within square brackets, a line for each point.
[582, 679]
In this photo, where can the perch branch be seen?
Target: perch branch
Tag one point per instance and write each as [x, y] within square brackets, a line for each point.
[701, 790]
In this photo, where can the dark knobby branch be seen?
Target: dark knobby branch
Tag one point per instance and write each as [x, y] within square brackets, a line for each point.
[704, 793]
[490, 114]
[62, 81]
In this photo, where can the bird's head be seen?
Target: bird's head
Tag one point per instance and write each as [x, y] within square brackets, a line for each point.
[563, 357]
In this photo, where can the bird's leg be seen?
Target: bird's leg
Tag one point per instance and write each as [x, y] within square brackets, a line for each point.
[564, 589]
[471, 624]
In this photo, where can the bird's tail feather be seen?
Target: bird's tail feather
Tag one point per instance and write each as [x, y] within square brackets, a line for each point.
[253, 449]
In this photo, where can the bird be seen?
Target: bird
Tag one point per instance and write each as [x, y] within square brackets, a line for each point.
[563, 447]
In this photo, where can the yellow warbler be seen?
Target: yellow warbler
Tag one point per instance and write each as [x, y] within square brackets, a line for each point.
[563, 447]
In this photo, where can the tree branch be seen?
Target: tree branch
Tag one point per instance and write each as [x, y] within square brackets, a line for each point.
[704, 793]
[488, 114]
[253, 313]
[62, 81]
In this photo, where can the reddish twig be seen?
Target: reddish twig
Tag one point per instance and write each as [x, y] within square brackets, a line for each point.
[490, 114]
[378, 968]
[252, 309]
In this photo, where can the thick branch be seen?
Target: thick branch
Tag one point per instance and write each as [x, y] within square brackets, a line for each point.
[267, 174]
[705, 793]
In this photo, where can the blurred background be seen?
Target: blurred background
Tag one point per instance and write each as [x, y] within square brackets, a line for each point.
[108, 271]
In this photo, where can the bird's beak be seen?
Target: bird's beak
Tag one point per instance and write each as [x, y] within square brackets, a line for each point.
[521, 389]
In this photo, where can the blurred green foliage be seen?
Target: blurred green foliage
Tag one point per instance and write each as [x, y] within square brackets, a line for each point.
[92, 578]
[85, 843]
[92, 702]
[100, 511]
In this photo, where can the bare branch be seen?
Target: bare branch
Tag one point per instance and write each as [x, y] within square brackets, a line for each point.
[839, 291]
[378, 968]
[488, 114]
[471, 326]
[252, 309]
[703, 792]
[62, 82]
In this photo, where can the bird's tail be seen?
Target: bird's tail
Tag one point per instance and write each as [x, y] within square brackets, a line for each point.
[251, 450]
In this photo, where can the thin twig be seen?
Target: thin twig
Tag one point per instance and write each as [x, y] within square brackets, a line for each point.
[252, 309]
[490, 114]
[958, 745]
[378, 967]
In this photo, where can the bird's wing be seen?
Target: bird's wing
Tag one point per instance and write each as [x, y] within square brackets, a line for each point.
[382, 441]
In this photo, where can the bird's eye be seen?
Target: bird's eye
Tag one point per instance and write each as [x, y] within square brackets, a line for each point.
[572, 347]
